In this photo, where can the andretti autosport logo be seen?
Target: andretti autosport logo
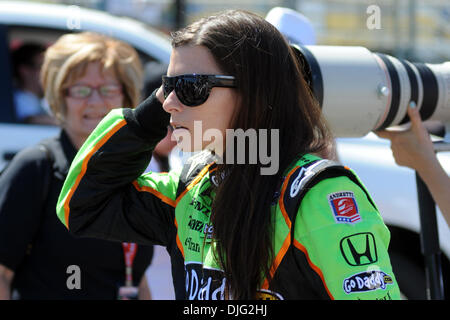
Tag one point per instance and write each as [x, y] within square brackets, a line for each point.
[367, 281]
[344, 207]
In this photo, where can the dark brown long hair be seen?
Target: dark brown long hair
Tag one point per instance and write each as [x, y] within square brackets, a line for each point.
[272, 95]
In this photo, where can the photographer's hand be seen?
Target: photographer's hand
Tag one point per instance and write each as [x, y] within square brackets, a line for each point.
[413, 148]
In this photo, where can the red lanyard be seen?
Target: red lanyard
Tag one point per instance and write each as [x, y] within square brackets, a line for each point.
[129, 252]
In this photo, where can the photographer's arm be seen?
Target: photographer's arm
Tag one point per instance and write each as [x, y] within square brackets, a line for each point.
[438, 183]
[6, 277]
[105, 196]
[414, 149]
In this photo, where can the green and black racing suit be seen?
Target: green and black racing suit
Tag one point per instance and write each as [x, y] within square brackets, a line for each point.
[330, 243]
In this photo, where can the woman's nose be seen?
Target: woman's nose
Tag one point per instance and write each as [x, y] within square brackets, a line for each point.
[172, 104]
[95, 97]
[96, 100]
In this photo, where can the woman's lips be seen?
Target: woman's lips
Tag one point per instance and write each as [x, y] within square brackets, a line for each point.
[179, 132]
[92, 120]
[176, 126]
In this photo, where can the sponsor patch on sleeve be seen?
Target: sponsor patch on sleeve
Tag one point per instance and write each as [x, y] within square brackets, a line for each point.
[367, 281]
[344, 207]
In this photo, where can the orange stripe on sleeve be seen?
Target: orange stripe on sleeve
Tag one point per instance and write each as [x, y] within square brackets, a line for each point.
[280, 200]
[179, 244]
[287, 240]
[194, 182]
[299, 246]
[164, 199]
[278, 259]
[99, 144]
[189, 187]
[155, 192]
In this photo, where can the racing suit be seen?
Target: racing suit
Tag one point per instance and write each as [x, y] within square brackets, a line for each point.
[330, 245]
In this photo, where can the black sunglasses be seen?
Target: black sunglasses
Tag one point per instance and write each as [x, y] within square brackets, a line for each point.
[193, 89]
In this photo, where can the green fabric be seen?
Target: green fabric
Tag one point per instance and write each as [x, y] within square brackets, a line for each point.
[317, 230]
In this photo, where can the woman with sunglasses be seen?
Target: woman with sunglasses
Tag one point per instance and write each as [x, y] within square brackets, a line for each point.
[84, 76]
[233, 232]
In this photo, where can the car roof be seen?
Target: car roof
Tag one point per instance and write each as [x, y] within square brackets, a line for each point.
[63, 17]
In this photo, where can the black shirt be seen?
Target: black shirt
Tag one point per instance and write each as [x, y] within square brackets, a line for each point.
[38, 247]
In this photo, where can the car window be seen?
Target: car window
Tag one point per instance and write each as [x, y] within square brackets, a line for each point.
[49, 36]
[24, 134]
[12, 36]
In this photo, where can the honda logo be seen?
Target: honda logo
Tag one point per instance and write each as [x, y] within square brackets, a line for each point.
[359, 249]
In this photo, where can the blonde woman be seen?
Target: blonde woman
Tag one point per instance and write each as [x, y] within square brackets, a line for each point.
[84, 76]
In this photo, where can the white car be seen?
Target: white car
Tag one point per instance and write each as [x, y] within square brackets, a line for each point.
[393, 188]
[44, 23]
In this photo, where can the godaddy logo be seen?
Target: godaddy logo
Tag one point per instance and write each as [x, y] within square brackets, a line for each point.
[367, 281]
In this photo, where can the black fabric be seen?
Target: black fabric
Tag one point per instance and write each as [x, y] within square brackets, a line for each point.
[148, 119]
[38, 247]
